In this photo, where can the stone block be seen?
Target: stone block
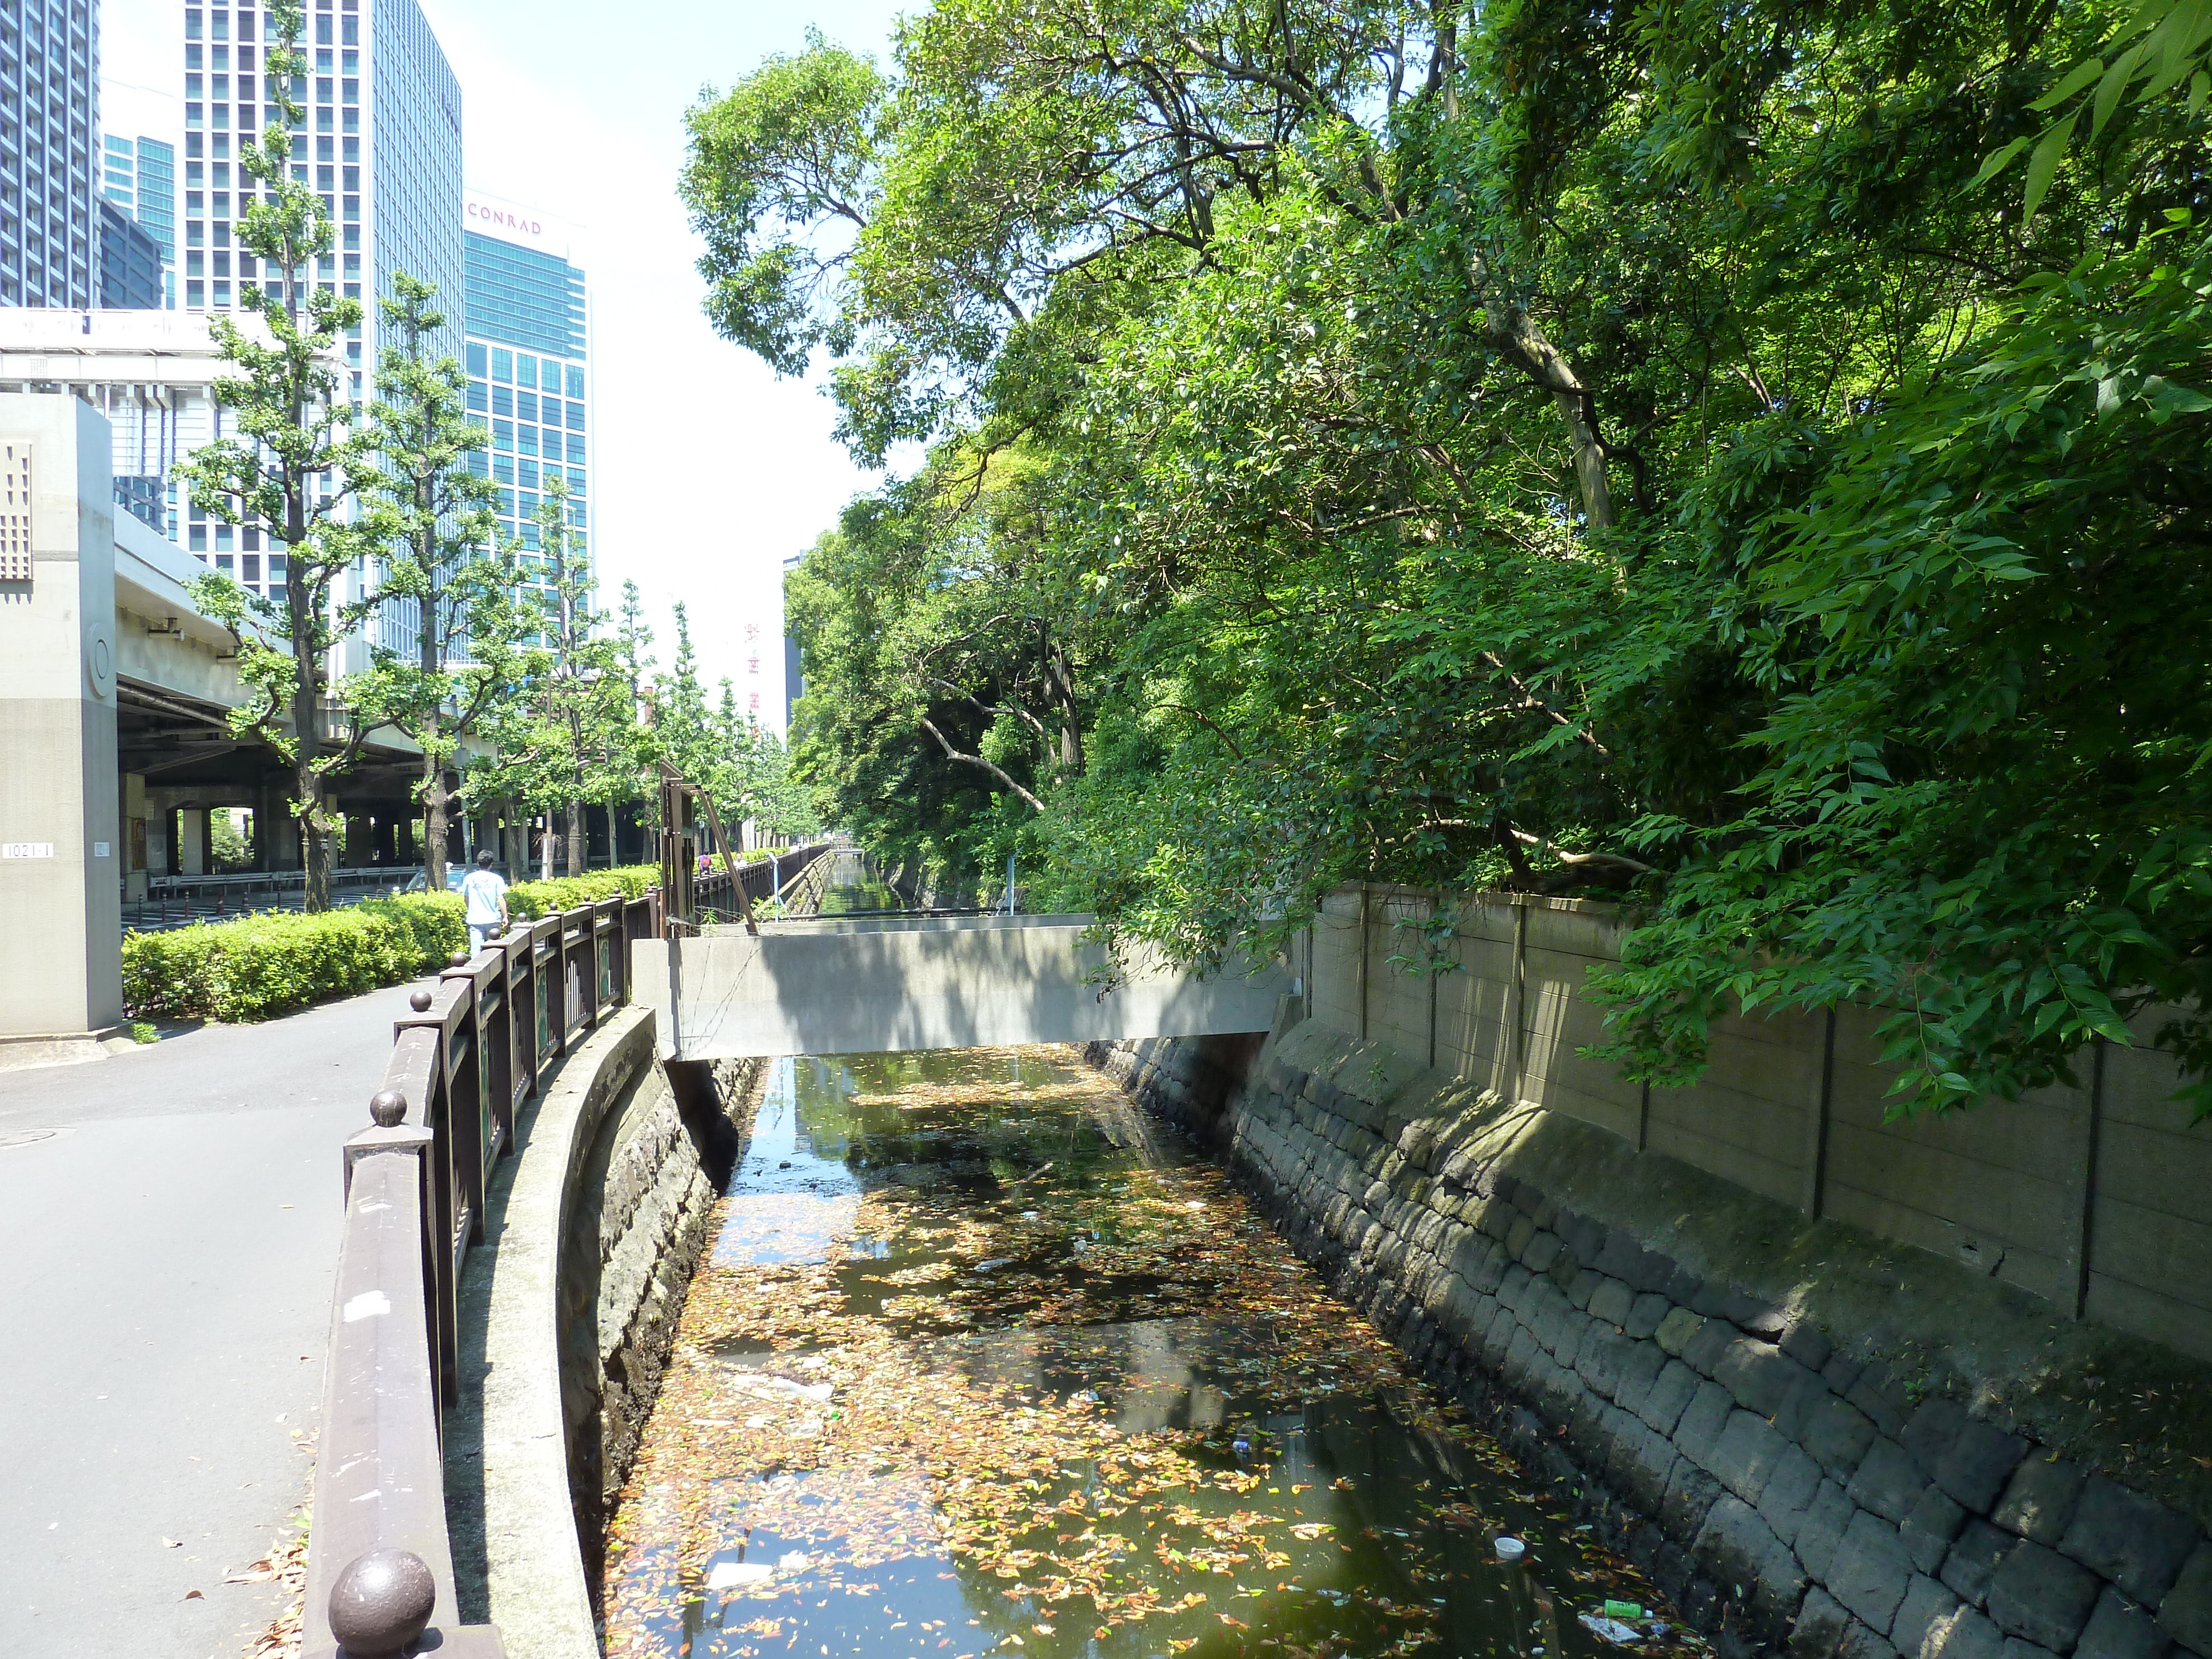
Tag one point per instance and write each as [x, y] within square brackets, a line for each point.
[1927, 1609]
[1964, 1634]
[1821, 1532]
[1935, 1522]
[1513, 1286]
[2186, 1613]
[1808, 1344]
[1582, 1235]
[1577, 1282]
[1690, 1495]
[1675, 1330]
[1841, 1373]
[1703, 1420]
[1541, 1250]
[1619, 1256]
[1672, 1390]
[1573, 1327]
[1681, 1287]
[1734, 1547]
[1602, 1357]
[1889, 1481]
[1521, 1354]
[1517, 1237]
[2118, 1629]
[1637, 1464]
[1824, 1630]
[1760, 1378]
[1805, 1395]
[1974, 1560]
[1703, 1353]
[1789, 1492]
[1644, 1314]
[2038, 1594]
[1838, 1435]
[1746, 1454]
[1610, 1301]
[1870, 1570]
[1975, 1469]
[1933, 1431]
[2039, 1499]
[2138, 1544]
[1640, 1365]
[1884, 1399]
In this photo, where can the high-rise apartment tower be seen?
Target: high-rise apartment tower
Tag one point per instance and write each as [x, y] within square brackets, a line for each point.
[139, 176]
[49, 122]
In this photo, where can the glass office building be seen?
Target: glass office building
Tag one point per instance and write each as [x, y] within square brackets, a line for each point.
[380, 141]
[139, 176]
[528, 357]
[49, 166]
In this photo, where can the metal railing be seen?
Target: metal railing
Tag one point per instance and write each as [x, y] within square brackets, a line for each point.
[465, 1057]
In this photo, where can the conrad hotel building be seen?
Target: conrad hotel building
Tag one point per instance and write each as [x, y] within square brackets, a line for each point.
[529, 362]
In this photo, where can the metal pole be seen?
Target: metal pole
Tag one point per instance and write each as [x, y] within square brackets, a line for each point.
[1010, 883]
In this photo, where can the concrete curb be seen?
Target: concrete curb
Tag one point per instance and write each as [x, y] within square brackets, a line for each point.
[514, 1535]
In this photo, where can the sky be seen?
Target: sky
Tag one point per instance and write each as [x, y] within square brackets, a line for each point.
[711, 471]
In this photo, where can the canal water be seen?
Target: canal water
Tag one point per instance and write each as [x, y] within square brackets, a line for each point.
[984, 1361]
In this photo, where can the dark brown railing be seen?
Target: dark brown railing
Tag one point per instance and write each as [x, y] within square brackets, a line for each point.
[380, 1563]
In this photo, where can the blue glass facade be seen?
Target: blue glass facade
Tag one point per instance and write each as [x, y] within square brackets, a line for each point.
[530, 379]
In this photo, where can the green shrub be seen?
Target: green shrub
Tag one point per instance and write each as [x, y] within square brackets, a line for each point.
[260, 966]
[528, 900]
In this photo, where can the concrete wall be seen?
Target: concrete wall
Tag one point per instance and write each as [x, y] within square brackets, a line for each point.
[1807, 1439]
[2097, 1199]
[60, 888]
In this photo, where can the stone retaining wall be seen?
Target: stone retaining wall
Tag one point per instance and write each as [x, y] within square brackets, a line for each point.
[567, 1314]
[1808, 1438]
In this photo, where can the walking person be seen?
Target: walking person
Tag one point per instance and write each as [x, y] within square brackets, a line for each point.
[485, 894]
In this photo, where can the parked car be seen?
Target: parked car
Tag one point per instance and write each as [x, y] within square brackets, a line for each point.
[421, 882]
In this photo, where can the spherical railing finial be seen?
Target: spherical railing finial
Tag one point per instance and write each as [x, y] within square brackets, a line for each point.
[420, 1002]
[387, 1109]
[381, 1602]
[459, 959]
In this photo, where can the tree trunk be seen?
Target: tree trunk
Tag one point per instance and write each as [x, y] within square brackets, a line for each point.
[434, 822]
[575, 838]
[1544, 364]
[306, 782]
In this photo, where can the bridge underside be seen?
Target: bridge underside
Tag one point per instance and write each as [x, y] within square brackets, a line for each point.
[888, 985]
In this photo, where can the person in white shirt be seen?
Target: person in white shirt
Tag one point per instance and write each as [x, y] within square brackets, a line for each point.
[485, 894]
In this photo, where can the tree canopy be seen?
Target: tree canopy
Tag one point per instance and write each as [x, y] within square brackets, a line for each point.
[1751, 459]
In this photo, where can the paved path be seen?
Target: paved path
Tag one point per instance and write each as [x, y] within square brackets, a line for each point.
[166, 1255]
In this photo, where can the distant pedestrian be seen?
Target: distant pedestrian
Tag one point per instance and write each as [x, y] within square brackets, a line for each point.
[485, 894]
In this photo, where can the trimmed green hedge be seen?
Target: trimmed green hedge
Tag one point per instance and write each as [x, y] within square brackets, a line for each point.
[258, 967]
[526, 901]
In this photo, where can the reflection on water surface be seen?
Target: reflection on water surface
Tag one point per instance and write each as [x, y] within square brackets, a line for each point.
[984, 1361]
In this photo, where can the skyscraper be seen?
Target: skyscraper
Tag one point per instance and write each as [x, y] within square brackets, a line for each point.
[379, 141]
[382, 126]
[130, 262]
[139, 176]
[49, 120]
[528, 322]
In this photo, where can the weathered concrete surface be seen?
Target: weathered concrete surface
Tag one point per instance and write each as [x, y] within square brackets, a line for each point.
[169, 1238]
[882, 985]
[1802, 1445]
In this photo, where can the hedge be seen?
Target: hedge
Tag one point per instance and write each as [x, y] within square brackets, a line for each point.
[258, 967]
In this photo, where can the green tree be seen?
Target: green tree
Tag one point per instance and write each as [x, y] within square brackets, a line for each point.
[431, 518]
[1666, 452]
[292, 464]
[570, 734]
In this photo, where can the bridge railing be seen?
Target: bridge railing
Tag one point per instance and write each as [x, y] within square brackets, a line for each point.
[463, 1061]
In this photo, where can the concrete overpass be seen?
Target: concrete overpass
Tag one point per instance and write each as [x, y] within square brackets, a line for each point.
[898, 984]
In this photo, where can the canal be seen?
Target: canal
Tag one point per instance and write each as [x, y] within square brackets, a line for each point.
[983, 1360]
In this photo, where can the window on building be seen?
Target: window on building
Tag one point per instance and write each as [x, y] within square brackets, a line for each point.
[525, 369]
[502, 433]
[478, 399]
[503, 468]
[502, 365]
[479, 359]
[575, 449]
[526, 440]
[575, 418]
[502, 400]
[525, 406]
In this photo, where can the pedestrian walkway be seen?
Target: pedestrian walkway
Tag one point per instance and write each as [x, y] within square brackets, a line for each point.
[169, 1220]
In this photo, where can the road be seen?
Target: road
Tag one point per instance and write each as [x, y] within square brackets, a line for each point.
[169, 1221]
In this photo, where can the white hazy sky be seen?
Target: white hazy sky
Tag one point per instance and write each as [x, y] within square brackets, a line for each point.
[711, 471]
